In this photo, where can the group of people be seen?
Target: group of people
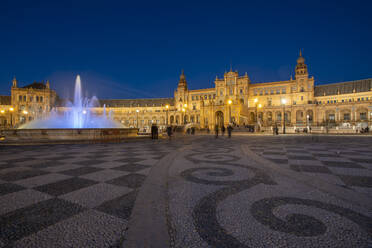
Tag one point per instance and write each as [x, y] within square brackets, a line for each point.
[170, 131]
[223, 129]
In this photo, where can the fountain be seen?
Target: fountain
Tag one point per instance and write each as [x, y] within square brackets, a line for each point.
[77, 122]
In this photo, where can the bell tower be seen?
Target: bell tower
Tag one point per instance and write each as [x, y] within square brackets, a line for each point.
[14, 85]
[301, 68]
[181, 94]
[304, 84]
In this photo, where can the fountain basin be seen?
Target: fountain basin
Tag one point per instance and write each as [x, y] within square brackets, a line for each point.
[68, 134]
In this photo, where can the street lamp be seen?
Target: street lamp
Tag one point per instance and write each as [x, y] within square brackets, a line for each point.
[229, 102]
[284, 101]
[167, 108]
[11, 109]
[183, 115]
[137, 117]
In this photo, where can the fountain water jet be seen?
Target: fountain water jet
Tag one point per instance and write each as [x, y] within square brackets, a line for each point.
[78, 114]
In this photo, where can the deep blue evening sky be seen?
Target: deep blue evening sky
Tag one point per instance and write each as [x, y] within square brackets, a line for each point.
[135, 49]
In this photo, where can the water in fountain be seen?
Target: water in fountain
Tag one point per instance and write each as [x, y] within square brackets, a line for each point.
[78, 114]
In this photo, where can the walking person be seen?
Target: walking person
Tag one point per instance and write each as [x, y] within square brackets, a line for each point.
[216, 130]
[229, 130]
[223, 130]
[169, 131]
[193, 130]
[153, 131]
[156, 132]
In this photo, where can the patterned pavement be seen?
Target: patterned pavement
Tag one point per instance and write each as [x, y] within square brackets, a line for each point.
[83, 191]
[216, 196]
[339, 160]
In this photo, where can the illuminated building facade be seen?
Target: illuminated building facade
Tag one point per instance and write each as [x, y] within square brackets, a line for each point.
[233, 99]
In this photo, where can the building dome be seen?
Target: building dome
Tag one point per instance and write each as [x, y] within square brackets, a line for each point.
[300, 60]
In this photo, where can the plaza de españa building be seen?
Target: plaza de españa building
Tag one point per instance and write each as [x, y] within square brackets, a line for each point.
[298, 101]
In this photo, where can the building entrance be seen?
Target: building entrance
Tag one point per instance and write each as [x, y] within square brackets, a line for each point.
[219, 118]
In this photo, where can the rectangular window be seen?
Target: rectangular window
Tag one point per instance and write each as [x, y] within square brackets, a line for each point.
[342, 100]
[358, 99]
[192, 98]
[37, 98]
[347, 117]
[197, 97]
[41, 99]
[241, 91]
[193, 107]
[24, 98]
[261, 92]
[214, 96]
[205, 97]
[302, 98]
[210, 97]
[272, 92]
[20, 98]
[363, 116]
[266, 92]
[283, 91]
[278, 91]
[362, 98]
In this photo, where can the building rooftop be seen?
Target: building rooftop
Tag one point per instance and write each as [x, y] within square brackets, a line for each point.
[343, 88]
[5, 100]
[35, 85]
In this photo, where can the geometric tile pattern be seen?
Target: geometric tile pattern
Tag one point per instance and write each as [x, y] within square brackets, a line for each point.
[50, 191]
[348, 164]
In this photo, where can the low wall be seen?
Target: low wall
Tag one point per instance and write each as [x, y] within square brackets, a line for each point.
[68, 134]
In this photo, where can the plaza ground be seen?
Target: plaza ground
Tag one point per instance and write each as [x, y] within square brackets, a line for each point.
[191, 191]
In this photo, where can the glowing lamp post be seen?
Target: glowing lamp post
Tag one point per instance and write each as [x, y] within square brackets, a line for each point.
[284, 101]
[229, 102]
[11, 109]
[137, 111]
[183, 115]
[167, 108]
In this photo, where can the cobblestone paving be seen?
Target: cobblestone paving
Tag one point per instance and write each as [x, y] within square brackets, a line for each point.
[217, 196]
[72, 195]
[345, 161]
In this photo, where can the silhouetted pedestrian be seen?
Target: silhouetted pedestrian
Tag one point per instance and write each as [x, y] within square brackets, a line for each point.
[193, 130]
[153, 131]
[223, 130]
[216, 130]
[169, 131]
[229, 130]
[156, 132]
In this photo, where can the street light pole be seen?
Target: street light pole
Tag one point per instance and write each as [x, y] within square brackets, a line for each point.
[229, 102]
[167, 108]
[11, 109]
[137, 117]
[284, 101]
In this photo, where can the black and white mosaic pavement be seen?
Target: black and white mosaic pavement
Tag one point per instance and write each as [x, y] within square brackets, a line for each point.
[72, 195]
[219, 198]
[216, 196]
[345, 161]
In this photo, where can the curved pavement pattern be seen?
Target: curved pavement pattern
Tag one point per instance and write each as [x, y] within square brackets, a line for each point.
[189, 192]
